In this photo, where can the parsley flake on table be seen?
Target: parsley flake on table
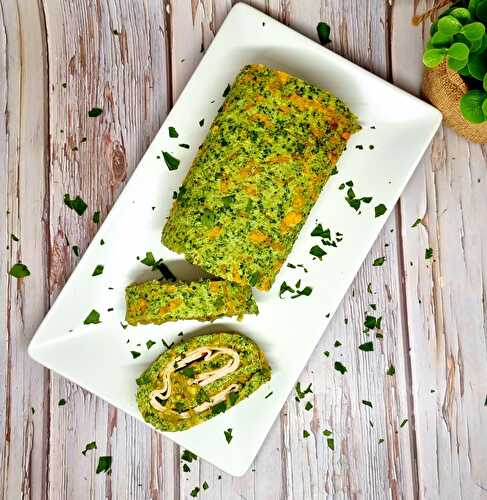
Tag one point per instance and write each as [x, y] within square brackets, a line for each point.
[323, 31]
[318, 252]
[61, 402]
[92, 318]
[366, 347]
[391, 370]
[98, 270]
[417, 222]
[75, 250]
[96, 217]
[305, 434]
[88, 447]
[188, 456]
[308, 406]
[369, 288]
[428, 253]
[195, 491]
[94, 112]
[205, 485]
[370, 322]
[366, 403]
[300, 393]
[186, 468]
[228, 435]
[135, 354]
[77, 204]
[380, 209]
[339, 367]
[327, 354]
[104, 465]
[14, 238]
[19, 270]
[173, 133]
[379, 261]
[149, 344]
[327, 432]
[337, 343]
[403, 423]
[331, 444]
[171, 162]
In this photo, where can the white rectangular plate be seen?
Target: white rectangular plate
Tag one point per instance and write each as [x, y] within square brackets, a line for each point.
[98, 358]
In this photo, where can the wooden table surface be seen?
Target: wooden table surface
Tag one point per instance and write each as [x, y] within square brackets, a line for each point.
[434, 310]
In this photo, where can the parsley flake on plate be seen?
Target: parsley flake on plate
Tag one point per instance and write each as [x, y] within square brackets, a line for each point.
[183, 145]
[14, 238]
[135, 354]
[19, 270]
[201, 122]
[92, 318]
[104, 465]
[75, 250]
[89, 446]
[318, 252]
[228, 435]
[186, 468]
[226, 91]
[98, 270]
[380, 209]
[77, 204]
[403, 423]
[173, 133]
[149, 344]
[171, 162]
[270, 394]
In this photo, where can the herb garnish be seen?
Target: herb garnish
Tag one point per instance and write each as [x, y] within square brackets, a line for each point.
[19, 270]
[61, 402]
[219, 408]
[187, 371]
[403, 423]
[104, 465]
[226, 91]
[201, 122]
[308, 406]
[173, 133]
[183, 145]
[337, 343]
[228, 435]
[366, 403]
[89, 446]
[135, 354]
[340, 367]
[300, 393]
[305, 434]
[149, 344]
[417, 222]
[186, 468]
[322, 233]
[171, 162]
[331, 444]
[94, 112]
[188, 456]
[391, 370]
[318, 252]
[75, 250]
[14, 238]
[428, 253]
[323, 31]
[270, 394]
[379, 261]
[92, 318]
[366, 347]
[98, 270]
[195, 491]
[380, 210]
[205, 485]
[77, 204]
[351, 198]
[150, 261]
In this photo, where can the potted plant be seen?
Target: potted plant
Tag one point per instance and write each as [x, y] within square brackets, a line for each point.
[456, 58]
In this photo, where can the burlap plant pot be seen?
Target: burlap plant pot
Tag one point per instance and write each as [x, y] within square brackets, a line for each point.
[444, 88]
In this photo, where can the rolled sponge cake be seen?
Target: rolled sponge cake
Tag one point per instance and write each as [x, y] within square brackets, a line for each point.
[254, 180]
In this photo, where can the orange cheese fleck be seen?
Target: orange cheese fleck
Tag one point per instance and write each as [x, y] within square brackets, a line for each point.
[290, 220]
[214, 232]
[174, 304]
[256, 236]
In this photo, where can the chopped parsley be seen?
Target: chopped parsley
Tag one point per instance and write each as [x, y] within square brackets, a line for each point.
[195, 491]
[14, 238]
[149, 344]
[77, 204]
[381, 440]
[428, 253]
[300, 393]
[150, 261]
[359, 146]
[379, 261]
[135, 354]
[171, 162]
[123, 325]
[104, 465]
[403, 423]
[219, 408]
[205, 485]
[285, 288]
[173, 132]
[61, 402]
[320, 232]
[366, 403]
[323, 31]
[183, 145]
[188, 456]
[327, 354]
[19, 270]
[337, 343]
[485, 402]
[391, 370]
[270, 394]
[188, 371]
[351, 198]
[98, 270]
[228, 435]
[380, 209]
[370, 322]
[339, 367]
[201, 122]
[94, 112]
[75, 250]
[331, 443]
[369, 288]
[305, 434]
[317, 251]
[92, 318]
[366, 347]
[186, 468]
[88, 447]
[417, 222]
[226, 91]
[96, 217]
[308, 406]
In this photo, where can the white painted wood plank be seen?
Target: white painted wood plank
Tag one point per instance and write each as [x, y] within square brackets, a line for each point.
[445, 297]
[23, 439]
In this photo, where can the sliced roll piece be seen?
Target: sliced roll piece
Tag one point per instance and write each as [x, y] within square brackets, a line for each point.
[199, 378]
[158, 302]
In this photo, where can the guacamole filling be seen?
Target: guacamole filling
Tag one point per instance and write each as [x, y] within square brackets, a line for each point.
[200, 378]
[268, 154]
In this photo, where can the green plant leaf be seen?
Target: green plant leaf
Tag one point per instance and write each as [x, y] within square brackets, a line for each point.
[440, 39]
[479, 46]
[472, 6]
[462, 14]
[433, 28]
[456, 64]
[449, 25]
[434, 57]
[485, 82]
[481, 11]
[471, 106]
[458, 51]
[323, 31]
[473, 31]
[484, 108]
[477, 66]
[460, 37]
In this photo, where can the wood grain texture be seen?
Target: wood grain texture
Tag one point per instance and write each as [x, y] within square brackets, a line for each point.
[132, 59]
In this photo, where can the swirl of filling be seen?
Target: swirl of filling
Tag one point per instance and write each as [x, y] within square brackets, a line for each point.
[158, 396]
